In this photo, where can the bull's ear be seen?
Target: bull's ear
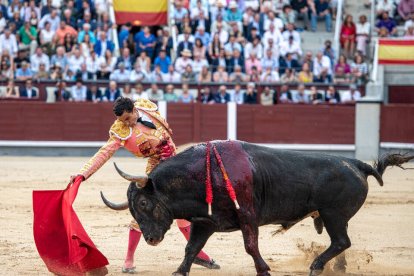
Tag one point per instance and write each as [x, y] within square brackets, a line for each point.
[149, 187]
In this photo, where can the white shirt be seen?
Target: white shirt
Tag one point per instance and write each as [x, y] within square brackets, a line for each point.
[137, 76]
[35, 62]
[293, 48]
[223, 36]
[9, 44]
[174, 77]
[295, 34]
[47, 36]
[120, 76]
[198, 65]
[92, 65]
[2, 24]
[54, 22]
[106, 67]
[143, 95]
[258, 49]
[275, 35]
[318, 66]
[180, 38]
[78, 94]
[75, 63]
[272, 77]
[347, 96]
[363, 29]
[237, 97]
[277, 22]
[180, 64]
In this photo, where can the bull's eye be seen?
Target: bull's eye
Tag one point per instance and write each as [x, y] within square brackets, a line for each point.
[143, 203]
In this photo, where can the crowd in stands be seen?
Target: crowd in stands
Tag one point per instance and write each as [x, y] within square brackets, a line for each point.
[220, 41]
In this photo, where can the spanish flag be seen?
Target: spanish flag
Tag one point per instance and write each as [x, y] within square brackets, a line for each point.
[141, 12]
[392, 51]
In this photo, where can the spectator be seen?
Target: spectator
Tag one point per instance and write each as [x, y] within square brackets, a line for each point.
[57, 73]
[94, 94]
[348, 36]
[144, 61]
[359, 70]
[385, 6]
[204, 76]
[221, 60]
[266, 97]
[124, 34]
[42, 74]
[79, 91]
[28, 37]
[305, 76]
[189, 76]
[332, 96]
[172, 76]
[182, 62]
[163, 61]
[220, 75]
[409, 34]
[75, 61]
[315, 97]
[285, 94]
[237, 75]
[69, 18]
[269, 75]
[8, 42]
[255, 47]
[198, 64]
[206, 96]
[250, 97]
[409, 22]
[3, 21]
[215, 47]
[169, 95]
[46, 38]
[320, 10]
[103, 44]
[342, 70]
[28, 91]
[321, 68]
[222, 32]
[112, 92]
[144, 41]
[387, 23]
[253, 62]
[127, 92]
[254, 76]
[179, 12]
[288, 62]
[272, 19]
[232, 45]
[24, 72]
[92, 64]
[121, 74]
[238, 95]
[235, 61]
[185, 97]
[289, 76]
[64, 30]
[155, 94]
[6, 71]
[69, 43]
[351, 96]
[270, 45]
[199, 48]
[301, 97]
[52, 18]
[60, 58]
[87, 19]
[329, 51]
[21, 56]
[37, 58]
[156, 74]
[15, 21]
[12, 91]
[405, 9]
[202, 20]
[86, 30]
[222, 96]
[274, 34]
[292, 48]
[69, 75]
[62, 93]
[362, 34]
[302, 11]
[106, 65]
[139, 92]
[254, 29]
[291, 32]
[137, 75]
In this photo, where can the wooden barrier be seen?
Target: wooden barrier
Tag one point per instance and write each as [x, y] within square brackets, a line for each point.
[397, 123]
[302, 124]
[401, 94]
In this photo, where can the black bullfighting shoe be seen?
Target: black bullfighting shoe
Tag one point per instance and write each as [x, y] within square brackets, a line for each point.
[209, 264]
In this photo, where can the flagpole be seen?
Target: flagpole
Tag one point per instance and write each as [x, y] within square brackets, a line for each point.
[114, 29]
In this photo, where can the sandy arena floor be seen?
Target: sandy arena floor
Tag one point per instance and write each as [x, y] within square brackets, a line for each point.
[381, 233]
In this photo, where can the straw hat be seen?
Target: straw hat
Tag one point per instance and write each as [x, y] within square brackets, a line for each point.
[186, 53]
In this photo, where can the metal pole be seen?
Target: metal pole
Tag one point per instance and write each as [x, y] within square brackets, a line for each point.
[336, 44]
[114, 30]
[172, 29]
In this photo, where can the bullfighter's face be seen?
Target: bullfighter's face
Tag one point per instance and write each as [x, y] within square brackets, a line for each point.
[150, 212]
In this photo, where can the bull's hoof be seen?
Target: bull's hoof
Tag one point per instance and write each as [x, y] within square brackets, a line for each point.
[180, 273]
[209, 264]
[315, 272]
[318, 224]
[266, 273]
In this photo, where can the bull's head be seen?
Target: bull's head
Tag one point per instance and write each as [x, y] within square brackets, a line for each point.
[146, 206]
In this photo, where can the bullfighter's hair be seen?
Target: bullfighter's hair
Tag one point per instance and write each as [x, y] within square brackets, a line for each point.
[123, 104]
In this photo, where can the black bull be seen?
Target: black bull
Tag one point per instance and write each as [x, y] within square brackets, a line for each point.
[272, 187]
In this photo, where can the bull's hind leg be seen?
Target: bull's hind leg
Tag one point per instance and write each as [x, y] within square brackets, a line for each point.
[336, 226]
[251, 244]
[198, 238]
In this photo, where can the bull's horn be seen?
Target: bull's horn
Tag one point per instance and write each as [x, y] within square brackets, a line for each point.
[114, 206]
[141, 181]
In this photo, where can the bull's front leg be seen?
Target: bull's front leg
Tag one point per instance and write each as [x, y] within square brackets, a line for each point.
[251, 243]
[198, 238]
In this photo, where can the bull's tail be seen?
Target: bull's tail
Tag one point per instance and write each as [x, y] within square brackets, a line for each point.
[385, 161]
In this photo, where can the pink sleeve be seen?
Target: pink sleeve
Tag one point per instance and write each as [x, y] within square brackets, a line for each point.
[100, 158]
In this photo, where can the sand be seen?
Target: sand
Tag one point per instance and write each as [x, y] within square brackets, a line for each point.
[381, 232]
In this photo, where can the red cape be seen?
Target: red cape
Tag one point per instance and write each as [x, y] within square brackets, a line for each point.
[61, 241]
